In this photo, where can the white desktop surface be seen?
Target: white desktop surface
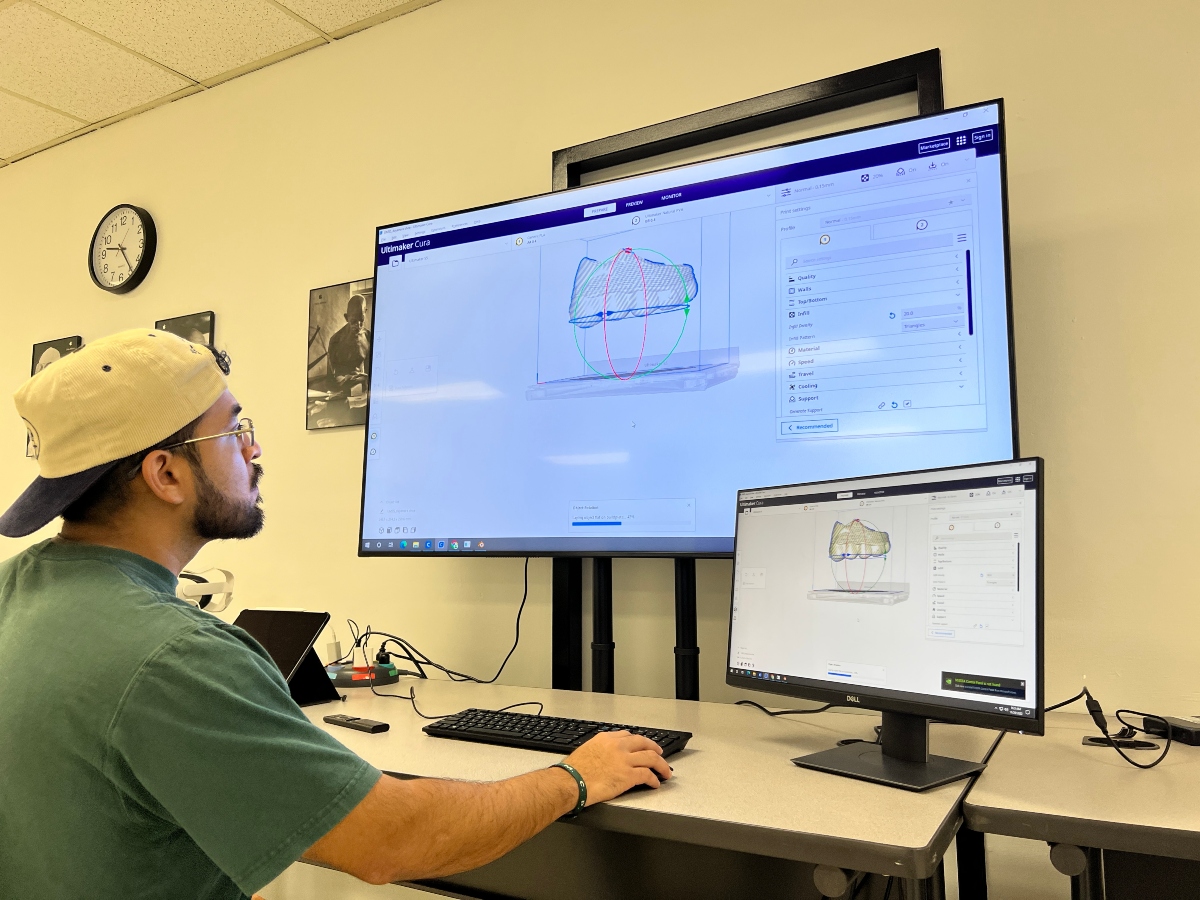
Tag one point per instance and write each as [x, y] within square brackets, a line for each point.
[734, 787]
[1054, 788]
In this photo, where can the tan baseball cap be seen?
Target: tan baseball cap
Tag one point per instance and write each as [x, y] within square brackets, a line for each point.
[116, 396]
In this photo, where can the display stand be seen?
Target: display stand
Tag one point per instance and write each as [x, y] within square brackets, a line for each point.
[566, 627]
[603, 647]
[687, 650]
[901, 758]
[920, 73]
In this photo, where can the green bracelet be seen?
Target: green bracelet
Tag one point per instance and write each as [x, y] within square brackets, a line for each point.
[579, 781]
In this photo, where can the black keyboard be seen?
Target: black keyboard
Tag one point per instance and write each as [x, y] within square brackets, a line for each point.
[512, 729]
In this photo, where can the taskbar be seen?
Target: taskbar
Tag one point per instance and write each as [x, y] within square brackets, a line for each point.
[391, 545]
[782, 682]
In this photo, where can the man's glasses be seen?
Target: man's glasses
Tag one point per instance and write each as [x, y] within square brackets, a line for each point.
[244, 431]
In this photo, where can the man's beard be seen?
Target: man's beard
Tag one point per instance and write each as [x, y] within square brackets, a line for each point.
[219, 518]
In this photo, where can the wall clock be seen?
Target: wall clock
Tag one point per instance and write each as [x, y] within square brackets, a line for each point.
[122, 248]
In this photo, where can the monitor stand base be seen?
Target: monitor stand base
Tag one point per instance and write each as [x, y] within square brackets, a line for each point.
[900, 759]
[866, 762]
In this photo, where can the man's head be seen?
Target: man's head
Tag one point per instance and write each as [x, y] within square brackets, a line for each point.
[356, 311]
[138, 430]
[219, 501]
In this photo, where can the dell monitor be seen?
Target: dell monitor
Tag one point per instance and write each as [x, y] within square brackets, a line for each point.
[598, 371]
[919, 595]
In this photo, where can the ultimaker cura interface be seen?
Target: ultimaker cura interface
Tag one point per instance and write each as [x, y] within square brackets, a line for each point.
[600, 370]
[920, 588]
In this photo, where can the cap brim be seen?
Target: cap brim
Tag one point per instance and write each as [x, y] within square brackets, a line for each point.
[45, 499]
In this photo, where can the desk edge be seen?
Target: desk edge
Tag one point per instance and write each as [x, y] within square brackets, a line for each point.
[1131, 838]
[756, 840]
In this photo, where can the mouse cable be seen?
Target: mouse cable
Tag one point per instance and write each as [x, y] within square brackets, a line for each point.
[784, 712]
[1097, 714]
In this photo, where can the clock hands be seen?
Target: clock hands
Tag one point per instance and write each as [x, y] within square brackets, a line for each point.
[124, 255]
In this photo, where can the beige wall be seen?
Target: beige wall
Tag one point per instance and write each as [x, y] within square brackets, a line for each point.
[271, 184]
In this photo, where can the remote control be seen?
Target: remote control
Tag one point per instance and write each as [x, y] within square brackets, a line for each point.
[368, 725]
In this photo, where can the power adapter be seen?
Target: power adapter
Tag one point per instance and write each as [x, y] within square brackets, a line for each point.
[333, 650]
[1182, 730]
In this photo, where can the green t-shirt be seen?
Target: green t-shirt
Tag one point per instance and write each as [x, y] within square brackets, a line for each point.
[148, 749]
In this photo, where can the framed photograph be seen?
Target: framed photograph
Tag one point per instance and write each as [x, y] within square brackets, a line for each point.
[339, 354]
[199, 328]
[44, 354]
[50, 351]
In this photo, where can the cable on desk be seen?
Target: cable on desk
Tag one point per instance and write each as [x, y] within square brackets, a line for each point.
[845, 742]
[411, 697]
[785, 712]
[1097, 714]
[806, 712]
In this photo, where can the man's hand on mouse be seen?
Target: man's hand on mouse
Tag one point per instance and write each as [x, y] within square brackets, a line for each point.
[614, 761]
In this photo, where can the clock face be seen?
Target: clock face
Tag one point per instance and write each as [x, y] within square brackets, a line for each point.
[122, 249]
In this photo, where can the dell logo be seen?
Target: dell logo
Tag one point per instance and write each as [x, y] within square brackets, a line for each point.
[850, 698]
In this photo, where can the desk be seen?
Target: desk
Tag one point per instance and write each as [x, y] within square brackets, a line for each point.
[1055, 789]
[738, 818]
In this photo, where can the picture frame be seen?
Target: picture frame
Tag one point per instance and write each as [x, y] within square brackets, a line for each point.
[339, 354]
[45, 353]
[197, 327]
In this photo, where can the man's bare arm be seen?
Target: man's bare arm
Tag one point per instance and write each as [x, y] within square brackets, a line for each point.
[426, 828]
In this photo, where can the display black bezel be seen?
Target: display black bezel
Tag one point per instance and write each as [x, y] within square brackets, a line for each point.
[592, 551]
[866, 699]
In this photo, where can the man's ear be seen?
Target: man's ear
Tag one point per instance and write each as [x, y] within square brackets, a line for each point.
[168, 476]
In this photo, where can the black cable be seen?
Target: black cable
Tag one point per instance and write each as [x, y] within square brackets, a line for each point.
[419, 659]
[1078, 696]
[785, 712]
[888, 893]
[411, 697]
[1134, 712]
[420, 673]
[863, 882]
[1097, 714]
[846, 742]
[537, 703]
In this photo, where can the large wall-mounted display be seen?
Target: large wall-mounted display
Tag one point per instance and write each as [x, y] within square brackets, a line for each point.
[598, 371]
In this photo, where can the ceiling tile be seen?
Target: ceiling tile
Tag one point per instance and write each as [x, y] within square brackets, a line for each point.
[200, 38]
[55, 63]
[25, 125]
[334, 15]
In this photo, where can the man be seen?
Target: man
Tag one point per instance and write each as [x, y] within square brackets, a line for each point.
[350, 346]
[147, 749]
